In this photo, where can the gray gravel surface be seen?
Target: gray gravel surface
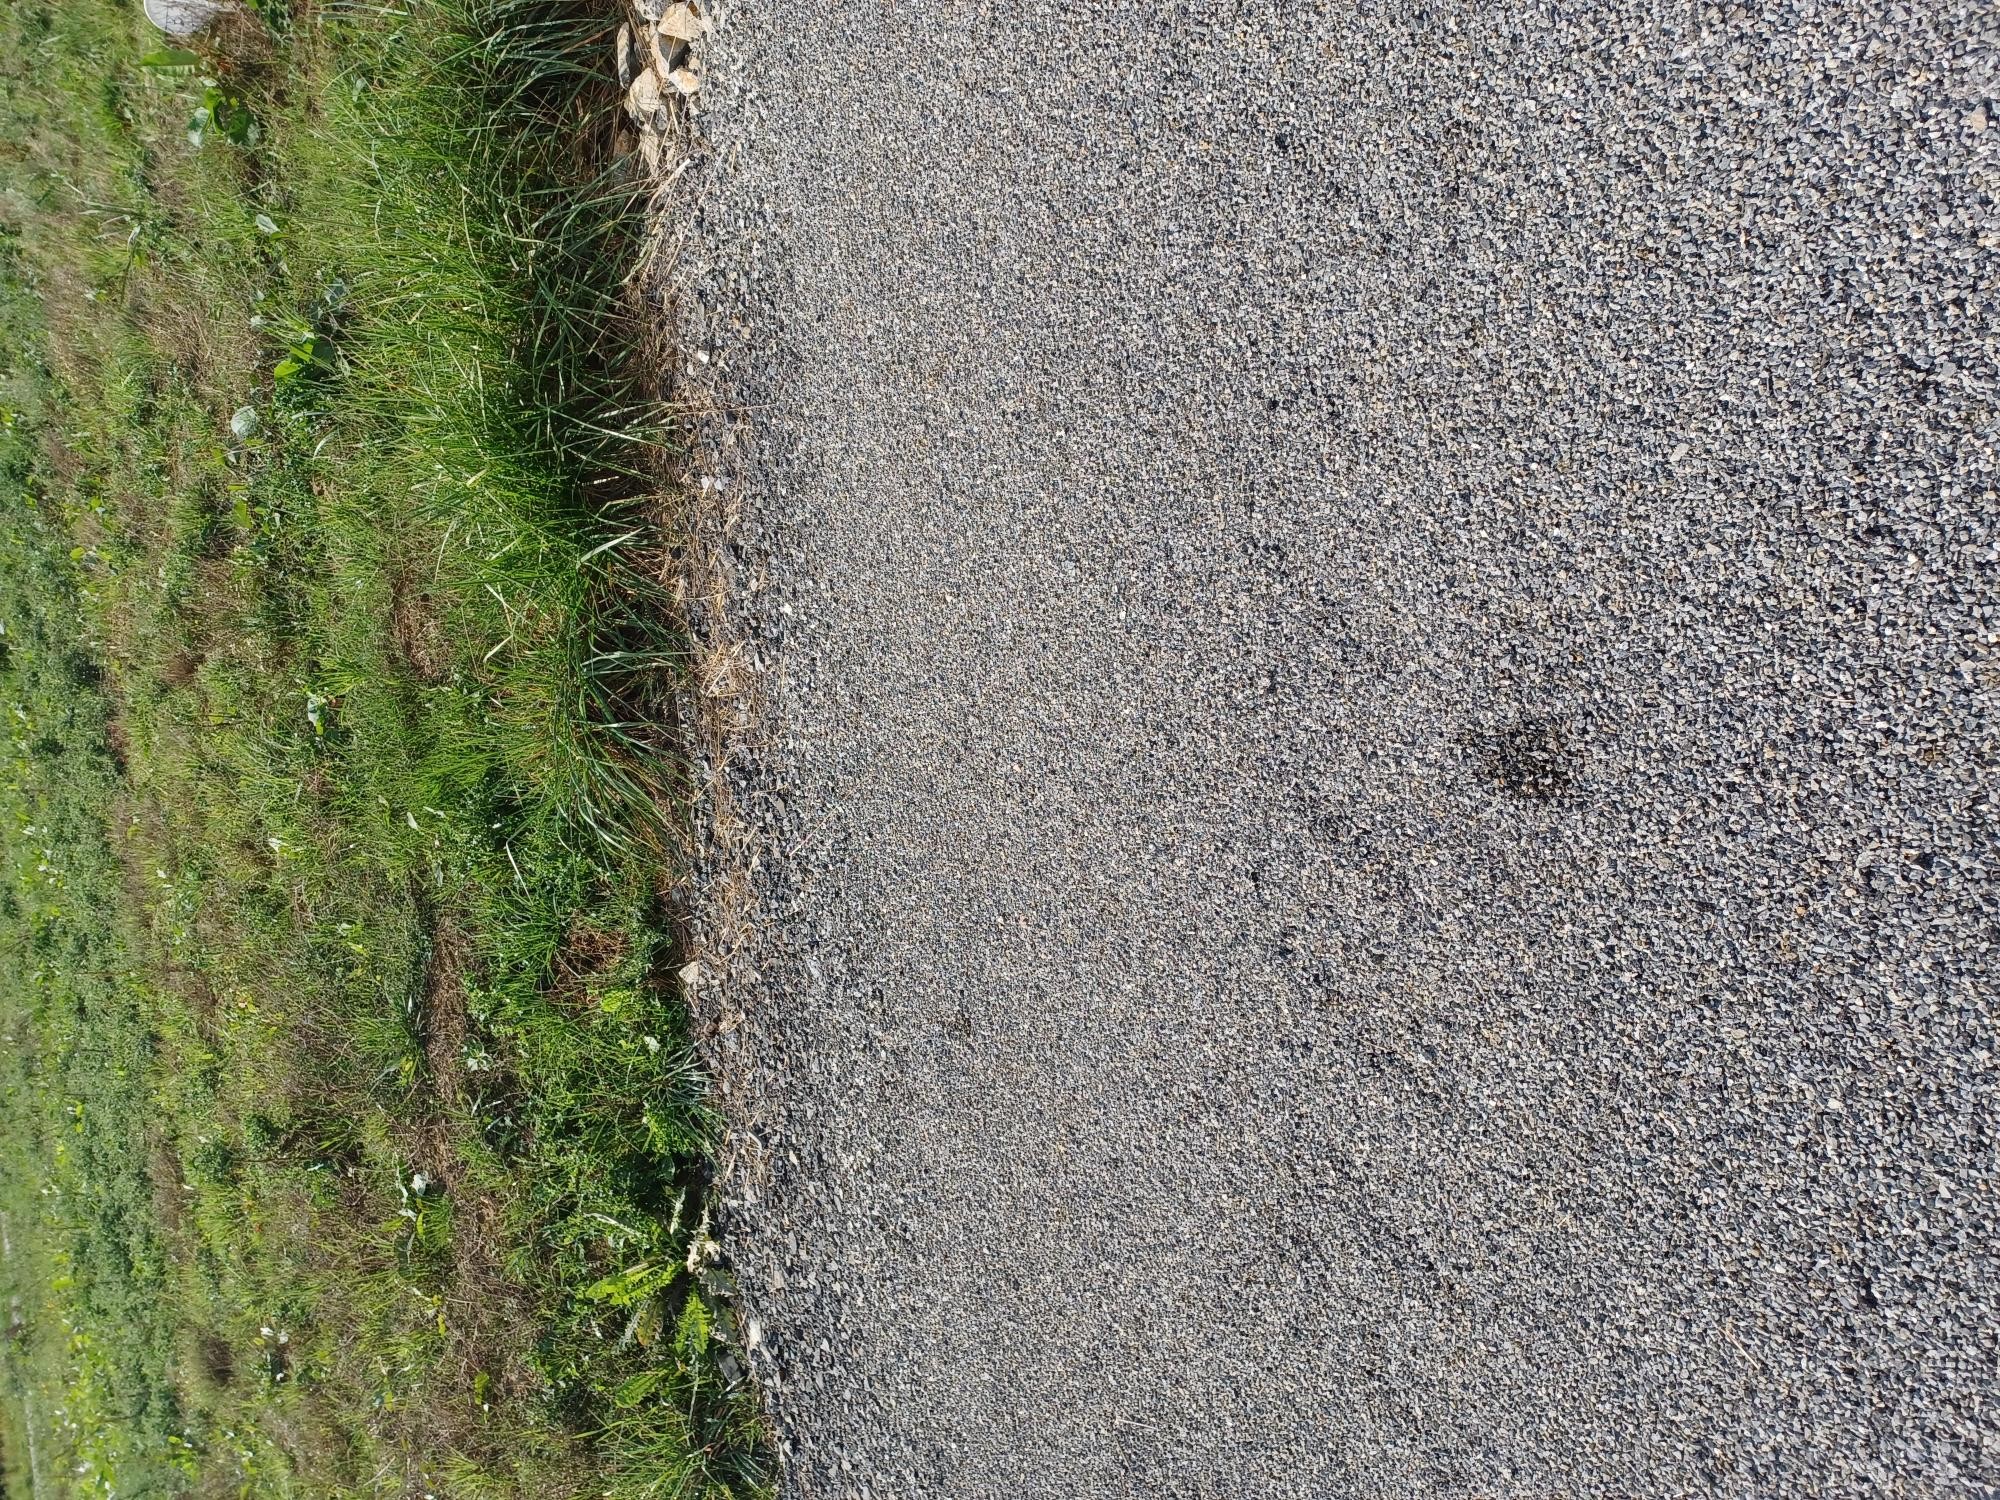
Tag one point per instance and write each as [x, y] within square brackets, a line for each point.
[1377, 867]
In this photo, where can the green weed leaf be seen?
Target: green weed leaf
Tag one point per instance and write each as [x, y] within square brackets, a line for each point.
[631, 1392]
[227, 115]
[646, 1326]
[691, 1337]
[623, 1288]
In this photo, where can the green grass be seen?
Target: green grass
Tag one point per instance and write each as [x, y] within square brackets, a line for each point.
[352, 1140]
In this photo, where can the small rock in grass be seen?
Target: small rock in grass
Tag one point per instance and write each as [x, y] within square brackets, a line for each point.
[682, 22]
[628, 57]
[643, 99]
[666, 51]
[685, 79]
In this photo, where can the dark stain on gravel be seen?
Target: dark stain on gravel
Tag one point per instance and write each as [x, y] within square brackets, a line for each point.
[1531, 757]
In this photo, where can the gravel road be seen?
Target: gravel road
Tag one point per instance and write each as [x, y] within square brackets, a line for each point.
[1377, 835]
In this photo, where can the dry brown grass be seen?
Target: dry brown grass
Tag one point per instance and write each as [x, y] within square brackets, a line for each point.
[415, 628]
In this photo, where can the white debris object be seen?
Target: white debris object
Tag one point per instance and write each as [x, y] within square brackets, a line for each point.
[183, 18]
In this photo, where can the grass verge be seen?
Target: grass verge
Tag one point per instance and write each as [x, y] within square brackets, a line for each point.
[353, 1143]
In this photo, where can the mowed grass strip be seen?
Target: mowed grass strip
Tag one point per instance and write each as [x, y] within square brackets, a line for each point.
[353, 1143]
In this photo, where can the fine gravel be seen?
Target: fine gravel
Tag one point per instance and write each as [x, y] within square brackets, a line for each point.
[1374, 843]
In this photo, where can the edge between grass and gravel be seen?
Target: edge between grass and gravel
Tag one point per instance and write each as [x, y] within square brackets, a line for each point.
[353, 1142]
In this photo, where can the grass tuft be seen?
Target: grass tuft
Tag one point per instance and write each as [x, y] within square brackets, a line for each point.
[353, 1138]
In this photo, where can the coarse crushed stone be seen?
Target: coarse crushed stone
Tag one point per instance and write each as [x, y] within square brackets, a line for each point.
[1378, 845]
